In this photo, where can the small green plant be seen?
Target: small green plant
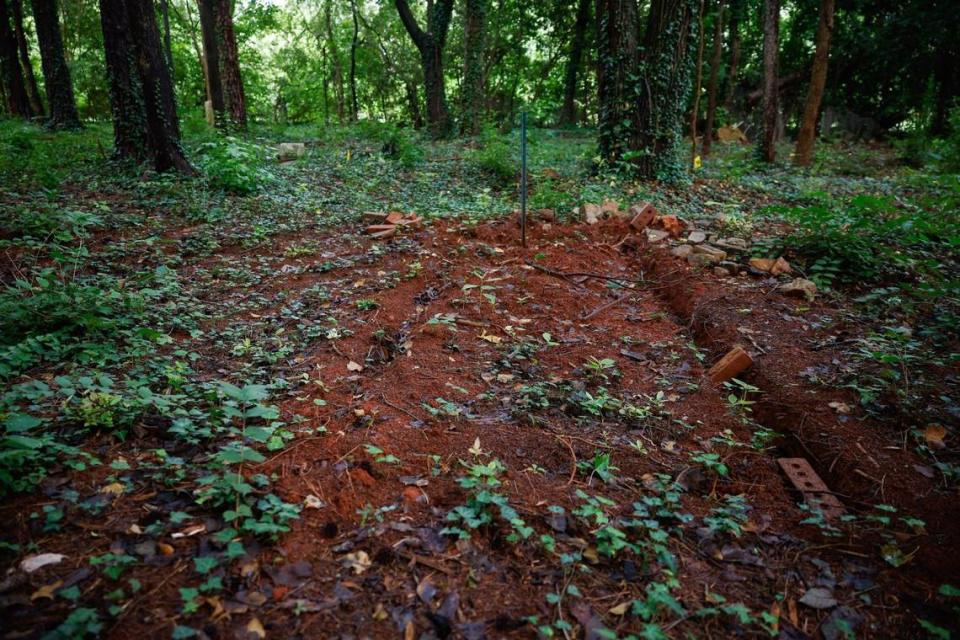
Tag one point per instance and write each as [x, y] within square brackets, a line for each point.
[234, 165]
[605, 368]
[729, 516]
[599, 466]
[484, 503]
[366, 304]
[379, 455]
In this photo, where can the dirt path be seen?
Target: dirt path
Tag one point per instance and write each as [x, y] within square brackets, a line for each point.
[555, 398]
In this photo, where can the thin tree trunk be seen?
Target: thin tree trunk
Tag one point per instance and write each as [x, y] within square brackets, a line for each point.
[714, 80]
[430, 43]
[335, 62]
[231, 81]
[29, 78]
[771, 46]
[697, 88]
[734, 67]
[474, 43]
[354, 110]
[413, 103]
[211, 61]
[141, 91]
[18, 103]
[56, 73]
[803, 154]
[568, 112]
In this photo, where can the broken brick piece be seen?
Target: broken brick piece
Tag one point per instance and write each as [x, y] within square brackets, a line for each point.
[672, 225]
[814, 490]
[394, 217]
[642, 216]
[736, 360]
[386, 233]
[374, 228]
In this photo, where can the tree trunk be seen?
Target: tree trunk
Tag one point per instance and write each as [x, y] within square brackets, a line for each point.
[354, 109]
[141, 92]
[568, 111]
[714, 80]
[474, 46]
[230, 79]
[617, 51]
[337, 67]
[663, 91]
[18, 103]
[697, 87]
[56, 73]
[803, 154]
[29, 78]
[430, 43]
[211, 61]
[413, 103]
[167, 42]
[771, 46]
[734, 68]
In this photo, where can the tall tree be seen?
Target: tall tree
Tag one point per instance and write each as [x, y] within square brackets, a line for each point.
[618, 56]
[430, 43]
[211, 60]
[354, 43]
[697, 87]
[643, 101]
[144, 112]
[803, 154]
[474, 46]
[230, 79]
[18, 103]
[714, 80]
[568, 111]
[337, 67]
[736, 7]
[29, 77]
[771, 107]
[56, 73]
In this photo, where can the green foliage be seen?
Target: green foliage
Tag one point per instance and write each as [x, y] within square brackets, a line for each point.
[495, 157]
[234, 165]
[484, 503]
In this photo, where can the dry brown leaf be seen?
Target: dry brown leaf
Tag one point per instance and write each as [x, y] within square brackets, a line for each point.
[354, 366]
[255, 628]
[620, 609]
[46, 591]
[934, 435]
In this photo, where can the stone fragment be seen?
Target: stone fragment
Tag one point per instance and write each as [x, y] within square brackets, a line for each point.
[682, 251]
[656, 235]
[696, 237]
[800, 287]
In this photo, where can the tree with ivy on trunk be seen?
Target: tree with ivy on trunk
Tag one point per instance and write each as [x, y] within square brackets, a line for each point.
[56, 73]
[211, 61]
[430, 43]
[714, 80]
[643, 99]
[803, 154]
[145, 123]
[474, 36]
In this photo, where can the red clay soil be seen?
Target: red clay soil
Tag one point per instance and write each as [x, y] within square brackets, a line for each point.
[465, 335]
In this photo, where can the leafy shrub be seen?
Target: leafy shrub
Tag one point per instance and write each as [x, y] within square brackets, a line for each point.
[494, 157]
[234, 165]
[400, 145]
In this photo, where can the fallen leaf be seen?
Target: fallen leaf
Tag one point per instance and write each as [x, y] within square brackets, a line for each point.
[620, 609]
[358, 561]
[164, 549]
[46, 591]
[934, 435]
[113, 489]
[839, 407]
[819, 598]
[353, 366]
[255, 628]
[190, 531]
[313, 502]
[32, 563]
[475, 449]
[492, 339]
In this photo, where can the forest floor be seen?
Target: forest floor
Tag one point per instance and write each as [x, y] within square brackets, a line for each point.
[229, 412]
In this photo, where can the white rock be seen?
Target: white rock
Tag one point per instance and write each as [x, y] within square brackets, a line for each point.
[656, 235]
[32, 563]
[682, 250]
[696, 237]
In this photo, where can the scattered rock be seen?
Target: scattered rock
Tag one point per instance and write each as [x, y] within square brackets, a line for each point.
[696, 237]
[800, 287]
[682, 251]
[735, 244]
[287, 151]
[773, 267]
[701, 259]
[717, 254]
[591, 213]
[732, 267]
[656, 235]
[721, 272]
[610, 209]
